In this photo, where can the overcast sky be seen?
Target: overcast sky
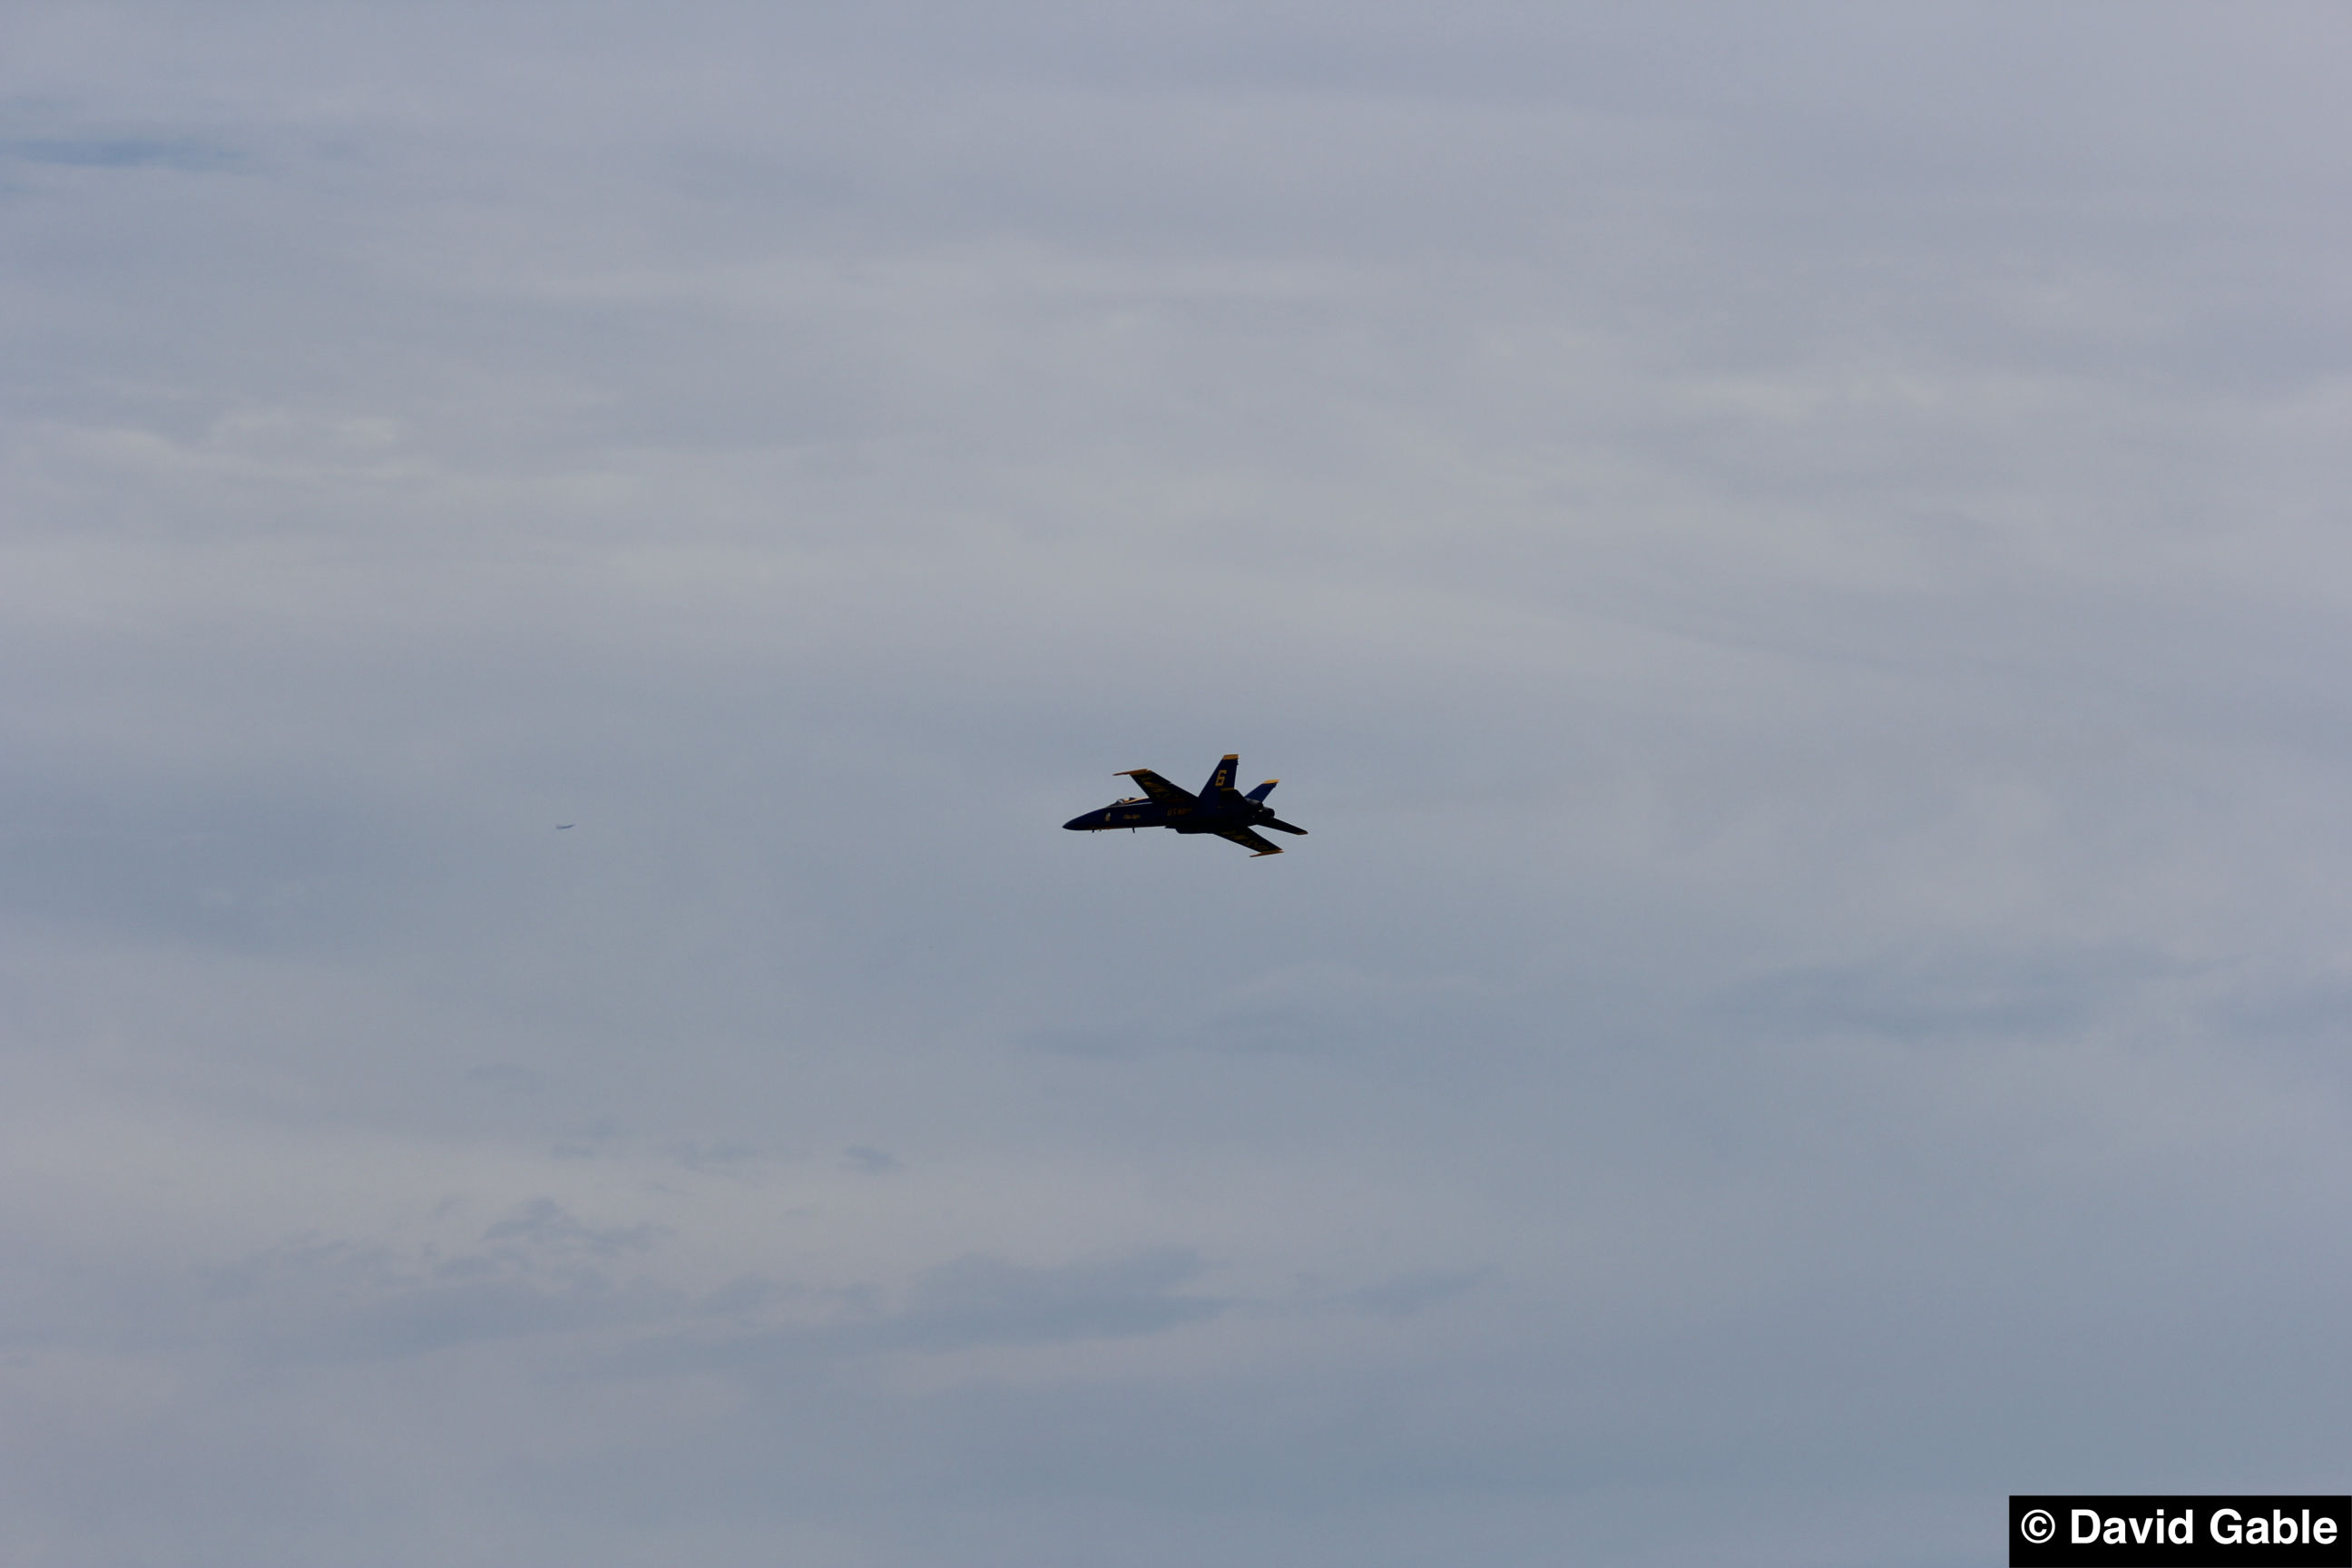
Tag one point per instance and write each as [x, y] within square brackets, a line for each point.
[1793, 561]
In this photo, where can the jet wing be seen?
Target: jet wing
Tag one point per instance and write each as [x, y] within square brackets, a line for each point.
[1248, 840]
[1158, 788]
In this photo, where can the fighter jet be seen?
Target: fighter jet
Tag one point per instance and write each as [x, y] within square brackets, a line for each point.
[1219, 808]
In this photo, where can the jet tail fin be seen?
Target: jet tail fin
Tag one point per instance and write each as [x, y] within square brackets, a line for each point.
[1259, 794]
[1221, 781]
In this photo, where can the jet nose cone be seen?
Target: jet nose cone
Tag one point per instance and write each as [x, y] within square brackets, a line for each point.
[1080, 823]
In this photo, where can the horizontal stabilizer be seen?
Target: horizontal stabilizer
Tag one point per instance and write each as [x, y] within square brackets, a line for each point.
[1281, 826]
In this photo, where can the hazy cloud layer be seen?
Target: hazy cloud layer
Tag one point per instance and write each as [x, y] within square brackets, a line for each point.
[1792, 560]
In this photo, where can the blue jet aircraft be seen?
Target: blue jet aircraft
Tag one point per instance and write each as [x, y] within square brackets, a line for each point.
[1219, 808]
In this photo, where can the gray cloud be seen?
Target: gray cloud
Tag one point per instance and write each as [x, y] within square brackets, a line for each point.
[987, 1300]
[1788, 560]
